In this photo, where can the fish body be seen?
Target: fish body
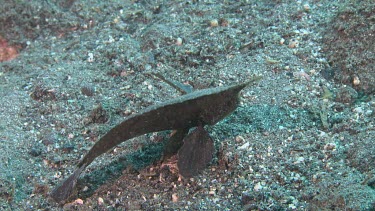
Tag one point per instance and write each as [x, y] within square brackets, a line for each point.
[198, 108]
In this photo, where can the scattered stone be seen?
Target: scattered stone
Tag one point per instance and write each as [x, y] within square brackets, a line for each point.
[35, 152]
[97, 115]
[346, 95]
[7, 190]
[88, 90]
[40, 93]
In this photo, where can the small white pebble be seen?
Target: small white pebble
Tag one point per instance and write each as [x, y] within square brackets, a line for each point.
[78, 201]
[282, 41]
[299, 160]
[85, 189]
[258, 187]
[306, 7]
[90, 57]
[100, 201]
[239, 139]
[358, 110]
[244, 146]
[214, 23]
[356, 81]
[179, 41]
[175, 197]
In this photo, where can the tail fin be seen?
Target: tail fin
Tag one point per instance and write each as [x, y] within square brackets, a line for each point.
[62, 192]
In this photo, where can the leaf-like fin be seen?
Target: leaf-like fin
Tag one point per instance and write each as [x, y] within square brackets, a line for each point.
[196, 153]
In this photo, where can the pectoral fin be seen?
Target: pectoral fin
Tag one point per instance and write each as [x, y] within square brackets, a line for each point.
[196, 153]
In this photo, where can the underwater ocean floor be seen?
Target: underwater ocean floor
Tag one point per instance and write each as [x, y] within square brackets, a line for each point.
[302, 138]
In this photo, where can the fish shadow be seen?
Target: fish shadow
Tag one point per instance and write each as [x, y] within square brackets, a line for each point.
[137, 160]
